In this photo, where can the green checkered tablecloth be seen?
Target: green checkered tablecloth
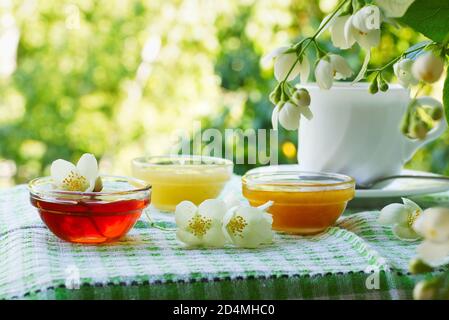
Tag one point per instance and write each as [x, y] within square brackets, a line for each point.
[151, 264]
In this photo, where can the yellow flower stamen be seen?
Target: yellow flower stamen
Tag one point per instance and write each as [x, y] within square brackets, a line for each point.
[199, 225]
[75, 182]
[433, 233]
[413, 216]
[236, 225]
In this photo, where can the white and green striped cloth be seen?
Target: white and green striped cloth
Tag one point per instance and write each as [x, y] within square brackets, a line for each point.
[152, 264]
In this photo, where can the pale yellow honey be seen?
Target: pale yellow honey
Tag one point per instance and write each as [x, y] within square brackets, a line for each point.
[174, 183]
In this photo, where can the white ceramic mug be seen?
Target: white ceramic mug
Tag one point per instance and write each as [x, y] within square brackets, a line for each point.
[358, 133]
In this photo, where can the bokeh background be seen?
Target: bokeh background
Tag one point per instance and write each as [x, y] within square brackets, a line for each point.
[116, 78]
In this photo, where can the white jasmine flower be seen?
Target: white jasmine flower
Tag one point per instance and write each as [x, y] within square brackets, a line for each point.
[324, 74]
[327, 22]
[82, 177]
[289, 115]
[364, 27]
[283, 62]
[433, 225]
[401, 217]
[367, 19]
[326, 71]
[200, 226]
[403, 71]
[247, 226]
[340, 68]
[428, 67]
[337, 30]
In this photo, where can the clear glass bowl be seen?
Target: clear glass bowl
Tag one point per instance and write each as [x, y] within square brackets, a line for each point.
[91, 217]
[304, 202]
[182, 177]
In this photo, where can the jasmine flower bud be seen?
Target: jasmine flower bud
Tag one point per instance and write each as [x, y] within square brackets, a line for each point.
[436, 113]
[419, 129]
[275, 95]
[403, 71]
[425, 290]
[428, 67]
[373, 88]
[384, 86]
[417, 266]
[301, 97]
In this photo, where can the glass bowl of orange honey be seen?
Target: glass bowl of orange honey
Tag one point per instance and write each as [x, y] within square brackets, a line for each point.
[303, 202]
[91, 217]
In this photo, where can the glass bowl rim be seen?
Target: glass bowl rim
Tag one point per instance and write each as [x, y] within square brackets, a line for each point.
[32, 185]
[249, 179]
[146, 161]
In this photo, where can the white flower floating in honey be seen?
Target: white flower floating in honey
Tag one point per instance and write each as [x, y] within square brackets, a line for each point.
[247, 226]
[200, 226]
[401, 217]
[433, 225]
[82, 177]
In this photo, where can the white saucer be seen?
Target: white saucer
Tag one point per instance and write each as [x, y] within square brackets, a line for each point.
[398, 188]
[406, 187]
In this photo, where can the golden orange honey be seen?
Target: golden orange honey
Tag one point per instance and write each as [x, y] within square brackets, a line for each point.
[304, 202]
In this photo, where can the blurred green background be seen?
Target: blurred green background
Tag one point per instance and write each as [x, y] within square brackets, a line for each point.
[117, 78]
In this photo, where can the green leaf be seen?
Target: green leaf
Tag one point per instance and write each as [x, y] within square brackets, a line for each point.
[430, 17]
[446, 97]
[394, 8]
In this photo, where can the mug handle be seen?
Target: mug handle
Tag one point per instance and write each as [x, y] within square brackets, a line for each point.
[411, 145]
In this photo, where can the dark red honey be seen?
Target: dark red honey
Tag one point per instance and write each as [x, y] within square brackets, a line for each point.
[90, 221]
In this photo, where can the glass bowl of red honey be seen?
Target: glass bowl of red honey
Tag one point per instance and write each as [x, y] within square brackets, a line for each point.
[91, 217]
[303, 202]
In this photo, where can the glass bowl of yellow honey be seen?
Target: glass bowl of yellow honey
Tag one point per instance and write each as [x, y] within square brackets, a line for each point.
[175, 178]
[303, 202]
